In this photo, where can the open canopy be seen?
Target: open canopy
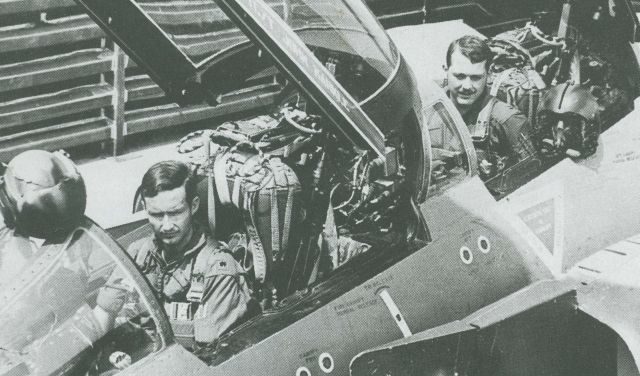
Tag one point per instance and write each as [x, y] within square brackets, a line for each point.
[182, 44]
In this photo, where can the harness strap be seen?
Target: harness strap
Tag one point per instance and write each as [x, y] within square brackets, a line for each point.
[238, 246]
[480, 131]
[499, 80]
[275, 225]
[220, 176]
[287, 213]
[273, 199]
[259, 257]
[534, 97]
[198, 273]
[235, 198]
[485, 115]
[211, 203]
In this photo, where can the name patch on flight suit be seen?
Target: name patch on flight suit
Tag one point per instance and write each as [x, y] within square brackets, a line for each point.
[181, 311]
[196, 291]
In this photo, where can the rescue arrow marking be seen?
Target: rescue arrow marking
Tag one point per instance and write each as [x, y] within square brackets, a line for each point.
[540, 214]
[394, 311]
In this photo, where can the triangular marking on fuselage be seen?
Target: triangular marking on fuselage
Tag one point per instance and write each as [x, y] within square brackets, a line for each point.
[540, 213]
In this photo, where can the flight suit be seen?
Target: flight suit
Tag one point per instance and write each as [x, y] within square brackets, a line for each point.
[204, 291]
[47, 287]
[500, 133]
[15, 252]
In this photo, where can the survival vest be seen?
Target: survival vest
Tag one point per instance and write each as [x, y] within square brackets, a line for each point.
[204, 293]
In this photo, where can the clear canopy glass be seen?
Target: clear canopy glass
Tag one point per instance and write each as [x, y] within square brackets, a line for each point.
[201, 31]
[51, 315]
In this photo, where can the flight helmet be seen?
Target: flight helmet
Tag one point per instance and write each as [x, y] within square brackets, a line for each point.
[42, 194]
[568, 121]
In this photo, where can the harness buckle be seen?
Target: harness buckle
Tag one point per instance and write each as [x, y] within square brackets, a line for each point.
[196, 291]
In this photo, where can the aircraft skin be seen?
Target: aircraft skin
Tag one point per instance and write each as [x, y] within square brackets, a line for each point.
[421, 285]
[430, 286]
[575, 214]
[594, 198]
[479, 251]
[584, 323]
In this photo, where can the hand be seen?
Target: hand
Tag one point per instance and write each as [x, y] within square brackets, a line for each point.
[111, 297]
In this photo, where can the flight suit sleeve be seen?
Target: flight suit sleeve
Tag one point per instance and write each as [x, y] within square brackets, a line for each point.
[226, 298]
[512, 133]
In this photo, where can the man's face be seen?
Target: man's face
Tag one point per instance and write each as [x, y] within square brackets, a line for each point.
[466, 80]
[171, 217]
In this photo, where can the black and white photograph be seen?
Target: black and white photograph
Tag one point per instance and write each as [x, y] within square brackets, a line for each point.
[320, 187]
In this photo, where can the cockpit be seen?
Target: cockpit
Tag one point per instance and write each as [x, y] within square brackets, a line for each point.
[333, 171]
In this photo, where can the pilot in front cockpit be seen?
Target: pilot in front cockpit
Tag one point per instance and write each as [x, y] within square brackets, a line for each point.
[41, 197]
[501, 134]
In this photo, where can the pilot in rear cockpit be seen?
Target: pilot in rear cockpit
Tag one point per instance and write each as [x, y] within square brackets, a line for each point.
[501, 134]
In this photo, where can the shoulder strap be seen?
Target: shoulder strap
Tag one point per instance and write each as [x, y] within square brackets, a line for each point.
[503, 111]
[255, 244]
[220, 176]
[495, 87]
[211, 203]
[484, 116]
[201, 261]
[481, 129]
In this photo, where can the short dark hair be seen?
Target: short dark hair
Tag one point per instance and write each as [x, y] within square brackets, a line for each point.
[168, 175]
[473, 48]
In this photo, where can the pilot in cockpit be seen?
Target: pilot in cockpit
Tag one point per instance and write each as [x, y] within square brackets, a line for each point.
[41, 197]
[51, 304]
[203, 288]
[500, 133]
